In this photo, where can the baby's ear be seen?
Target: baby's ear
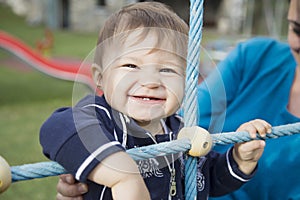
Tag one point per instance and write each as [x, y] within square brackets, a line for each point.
[97, 74]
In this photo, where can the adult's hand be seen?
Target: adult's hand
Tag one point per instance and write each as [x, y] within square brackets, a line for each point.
[69, 189]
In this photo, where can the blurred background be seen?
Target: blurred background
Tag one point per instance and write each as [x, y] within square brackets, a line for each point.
[65, 31]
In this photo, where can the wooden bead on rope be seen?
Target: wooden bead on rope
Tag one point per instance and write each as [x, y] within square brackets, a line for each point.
[5, 175]
[200, 140]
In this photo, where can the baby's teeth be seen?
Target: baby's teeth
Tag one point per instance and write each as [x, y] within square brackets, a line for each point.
[146, 99]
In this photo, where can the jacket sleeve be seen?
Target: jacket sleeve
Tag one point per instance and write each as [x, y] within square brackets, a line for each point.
[218, 89]
[78, 139]
[225, 176]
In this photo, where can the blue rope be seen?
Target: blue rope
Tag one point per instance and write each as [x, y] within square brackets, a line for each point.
[190, 102]
[236, 137]
[36, 170]
[45, 169]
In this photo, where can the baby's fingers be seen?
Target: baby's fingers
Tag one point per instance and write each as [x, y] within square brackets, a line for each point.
[262, 127]
[256, 126]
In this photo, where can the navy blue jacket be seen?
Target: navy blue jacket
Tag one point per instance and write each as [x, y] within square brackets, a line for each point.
[79, 138]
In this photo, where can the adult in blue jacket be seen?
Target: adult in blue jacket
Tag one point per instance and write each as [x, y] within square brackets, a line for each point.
[259, 79]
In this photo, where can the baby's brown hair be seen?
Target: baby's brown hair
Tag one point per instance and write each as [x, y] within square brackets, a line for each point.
[147, 16]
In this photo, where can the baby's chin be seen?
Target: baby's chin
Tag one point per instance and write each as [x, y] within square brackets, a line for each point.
[148, 116]
[142, 122]
[146, 121]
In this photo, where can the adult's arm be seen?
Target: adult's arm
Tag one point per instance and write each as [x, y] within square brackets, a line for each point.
[235, 83]
[218, 89]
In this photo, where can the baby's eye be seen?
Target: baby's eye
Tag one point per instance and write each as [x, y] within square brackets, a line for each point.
[131, 66]
[168, 70]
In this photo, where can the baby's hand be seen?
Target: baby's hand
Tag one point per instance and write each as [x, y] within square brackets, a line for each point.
[246, 154]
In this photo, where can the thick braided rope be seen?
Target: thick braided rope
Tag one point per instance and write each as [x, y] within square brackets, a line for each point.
[236, 137]
[190, 102]
[45, 169]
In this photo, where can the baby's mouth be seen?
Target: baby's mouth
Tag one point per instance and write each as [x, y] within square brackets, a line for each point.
[150, 98]
[147, 98]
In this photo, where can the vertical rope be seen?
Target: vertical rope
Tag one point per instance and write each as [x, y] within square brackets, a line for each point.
[190, 102]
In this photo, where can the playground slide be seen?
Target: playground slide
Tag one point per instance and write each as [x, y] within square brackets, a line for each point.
[63, 70]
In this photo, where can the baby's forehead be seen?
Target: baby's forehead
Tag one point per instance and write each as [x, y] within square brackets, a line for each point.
[144, 56]
[154, 39]
[142, 39]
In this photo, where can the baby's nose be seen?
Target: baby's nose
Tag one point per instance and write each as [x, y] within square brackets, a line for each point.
[151, 84]
[150, 80]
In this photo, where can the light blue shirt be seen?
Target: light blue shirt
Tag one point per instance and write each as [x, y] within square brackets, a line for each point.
[254, 81]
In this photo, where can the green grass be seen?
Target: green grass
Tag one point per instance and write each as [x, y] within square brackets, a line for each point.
[28, 97]
[20, 145]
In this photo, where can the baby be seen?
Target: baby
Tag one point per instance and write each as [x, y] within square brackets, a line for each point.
[140, 67]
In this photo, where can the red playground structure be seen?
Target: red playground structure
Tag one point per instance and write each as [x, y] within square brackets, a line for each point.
[72, 71]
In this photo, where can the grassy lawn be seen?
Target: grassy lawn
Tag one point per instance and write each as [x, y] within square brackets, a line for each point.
[28, 97]
[26, 101]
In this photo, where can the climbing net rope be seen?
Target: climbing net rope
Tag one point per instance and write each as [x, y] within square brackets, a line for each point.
[190, 102]
[45, 169]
